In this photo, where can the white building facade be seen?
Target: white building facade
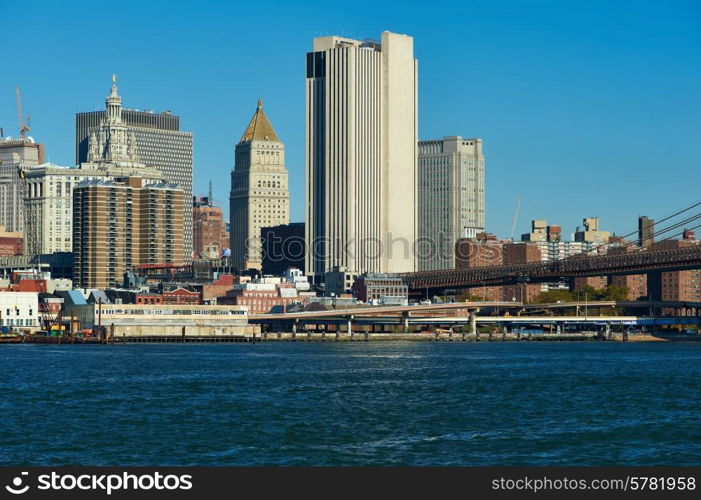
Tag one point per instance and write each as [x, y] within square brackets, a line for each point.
[361, 151]
[50, 199]
[19, 310]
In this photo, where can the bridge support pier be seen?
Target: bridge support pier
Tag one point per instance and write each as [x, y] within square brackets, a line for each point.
[349, 324]
[405, 320]
[294, 326]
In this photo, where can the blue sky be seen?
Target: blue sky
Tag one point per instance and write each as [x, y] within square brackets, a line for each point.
[585, 108]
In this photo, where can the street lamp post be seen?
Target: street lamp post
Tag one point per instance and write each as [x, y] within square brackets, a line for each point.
[522, 281]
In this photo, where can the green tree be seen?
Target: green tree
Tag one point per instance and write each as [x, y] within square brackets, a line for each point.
[615, 292]
[554, 296]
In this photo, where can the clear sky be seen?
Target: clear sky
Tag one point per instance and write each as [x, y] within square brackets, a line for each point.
[585, 108]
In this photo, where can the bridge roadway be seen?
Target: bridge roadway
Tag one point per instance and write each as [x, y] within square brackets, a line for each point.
[636, 262]
[563, 320]
[376, 310]
[425, 310]
[630, 304]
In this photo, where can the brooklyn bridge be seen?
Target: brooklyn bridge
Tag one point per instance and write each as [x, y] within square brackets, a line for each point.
[637, 262]
[638, 258]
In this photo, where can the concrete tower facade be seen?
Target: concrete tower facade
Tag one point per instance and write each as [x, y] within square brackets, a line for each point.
[361, 153]
[15, 154]
[451, 198]
[260, 195]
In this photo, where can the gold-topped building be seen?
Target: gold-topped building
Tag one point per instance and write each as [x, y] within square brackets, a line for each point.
[259, 191]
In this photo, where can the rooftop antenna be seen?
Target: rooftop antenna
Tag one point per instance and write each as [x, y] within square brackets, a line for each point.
[211, 200]
[23, 125]
[513, 221]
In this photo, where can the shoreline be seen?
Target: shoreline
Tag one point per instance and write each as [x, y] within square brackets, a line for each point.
[354, 337]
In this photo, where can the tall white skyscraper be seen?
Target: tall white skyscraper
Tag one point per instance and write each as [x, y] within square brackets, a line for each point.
[451, 198]
[361, 153]
[259, 192]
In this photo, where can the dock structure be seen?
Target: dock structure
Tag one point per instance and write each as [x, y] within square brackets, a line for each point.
[465, 321]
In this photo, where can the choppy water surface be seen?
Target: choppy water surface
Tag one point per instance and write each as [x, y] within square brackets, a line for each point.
[373, 403]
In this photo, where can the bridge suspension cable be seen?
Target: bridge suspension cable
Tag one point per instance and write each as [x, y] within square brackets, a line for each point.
[656, 233]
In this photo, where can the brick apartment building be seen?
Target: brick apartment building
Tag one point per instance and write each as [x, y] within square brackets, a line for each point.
[676, 285]
[261, 297]
[11, 243]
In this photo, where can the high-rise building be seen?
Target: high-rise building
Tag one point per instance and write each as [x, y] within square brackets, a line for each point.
[450, 198]
[259, 190]
[521, 253]
[541, 231]
[646, 231]
[283, 248]
[675, 285]
[361, 155]
[595, 282]
[127, 217]
[483, 250]
[161, 145]
[50, 200]
[635, 283]
[15, 154]
[591, 232]
[119, 224]
[209, 230]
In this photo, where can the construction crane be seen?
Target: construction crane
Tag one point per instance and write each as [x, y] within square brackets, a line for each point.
[513, 221]
[23, 124]
[27, 215]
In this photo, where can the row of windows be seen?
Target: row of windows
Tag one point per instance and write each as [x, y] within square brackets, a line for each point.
[175, 312]
[9, 310]
[19, 322]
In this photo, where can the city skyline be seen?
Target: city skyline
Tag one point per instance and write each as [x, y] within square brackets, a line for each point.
[559, 110]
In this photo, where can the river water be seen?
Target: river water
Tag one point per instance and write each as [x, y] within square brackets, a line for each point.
[375, 403]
